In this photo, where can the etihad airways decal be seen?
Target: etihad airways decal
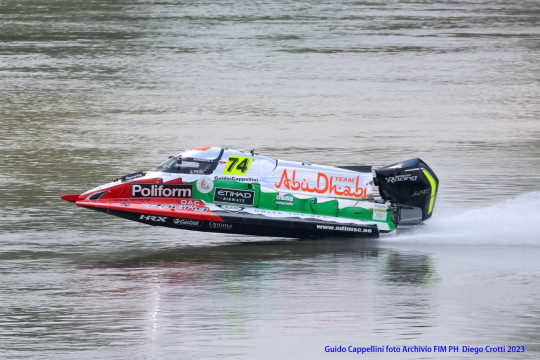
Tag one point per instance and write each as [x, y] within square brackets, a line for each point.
[161, 190]
[356, 186]
[234, 196]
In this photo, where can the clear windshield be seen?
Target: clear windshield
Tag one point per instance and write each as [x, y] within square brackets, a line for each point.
[190, 162]
[177, 164]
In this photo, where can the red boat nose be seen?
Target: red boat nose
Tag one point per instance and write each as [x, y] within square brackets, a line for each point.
[70, 197]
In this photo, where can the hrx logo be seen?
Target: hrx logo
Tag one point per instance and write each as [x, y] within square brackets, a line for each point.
[153, 218]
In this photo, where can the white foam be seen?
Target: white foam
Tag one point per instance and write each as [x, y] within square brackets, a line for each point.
[514, 221]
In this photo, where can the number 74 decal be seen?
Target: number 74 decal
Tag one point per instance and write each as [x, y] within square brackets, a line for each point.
[237, 165]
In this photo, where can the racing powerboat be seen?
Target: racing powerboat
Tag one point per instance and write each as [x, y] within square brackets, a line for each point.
[221, 190]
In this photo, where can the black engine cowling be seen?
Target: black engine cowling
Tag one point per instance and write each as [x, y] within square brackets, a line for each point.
[411, 186]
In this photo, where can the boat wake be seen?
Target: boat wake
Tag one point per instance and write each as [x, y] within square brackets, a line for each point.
[511, 222]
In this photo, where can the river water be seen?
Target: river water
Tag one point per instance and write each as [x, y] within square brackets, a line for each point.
[90, 90]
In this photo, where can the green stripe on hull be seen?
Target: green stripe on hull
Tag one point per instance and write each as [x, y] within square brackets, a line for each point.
[291, 203]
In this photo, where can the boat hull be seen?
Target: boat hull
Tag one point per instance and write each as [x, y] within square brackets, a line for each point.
[229, 191]
[175, 214]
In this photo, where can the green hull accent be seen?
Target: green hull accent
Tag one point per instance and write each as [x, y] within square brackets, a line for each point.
[290, 203]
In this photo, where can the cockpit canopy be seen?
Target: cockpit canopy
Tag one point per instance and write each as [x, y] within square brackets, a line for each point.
[199, 160]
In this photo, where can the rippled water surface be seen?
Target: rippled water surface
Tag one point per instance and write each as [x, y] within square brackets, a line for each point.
[90, 90]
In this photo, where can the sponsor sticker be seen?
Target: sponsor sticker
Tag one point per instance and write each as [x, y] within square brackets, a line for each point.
[205, 184]
[379, 212]
[354, 186]
[187, 222]
[399, 178]
[282, 197]
[236, 178]
[344, 228]
[161, 190]
[287, 200]
[185, 204]
[421, 192]
[153, 218]
[284, 203]
[177, 207]
[234, 196]
[219, 225]
[231, 208]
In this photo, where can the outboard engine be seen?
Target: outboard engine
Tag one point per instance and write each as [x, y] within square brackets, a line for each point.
[411, 186]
